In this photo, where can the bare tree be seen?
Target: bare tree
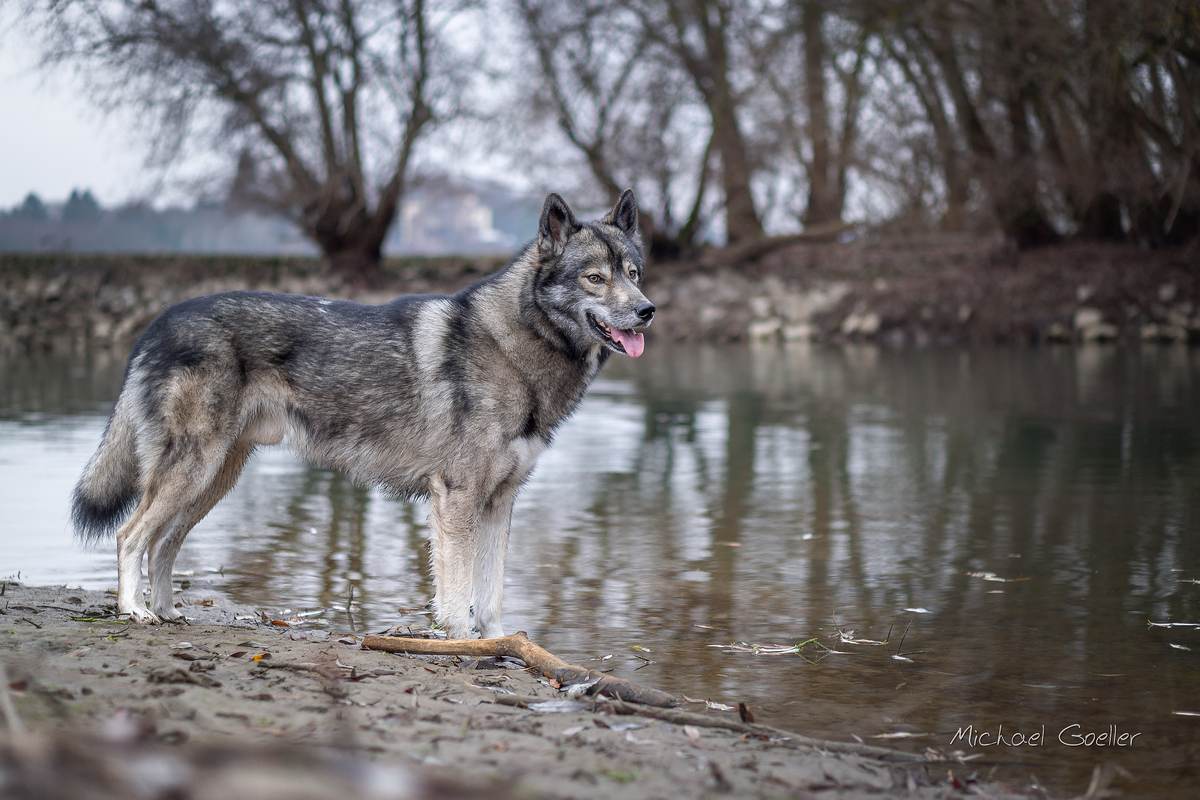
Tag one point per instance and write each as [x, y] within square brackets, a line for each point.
[621, 109]
[814, 64]
[323, 102]
[1070, 118]
[702, 37]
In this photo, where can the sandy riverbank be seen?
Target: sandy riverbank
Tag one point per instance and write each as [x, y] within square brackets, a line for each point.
[234, 704]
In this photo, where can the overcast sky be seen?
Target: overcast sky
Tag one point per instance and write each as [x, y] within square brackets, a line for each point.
[51, 139]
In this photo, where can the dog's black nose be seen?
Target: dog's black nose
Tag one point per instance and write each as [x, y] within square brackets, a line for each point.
[645, 311]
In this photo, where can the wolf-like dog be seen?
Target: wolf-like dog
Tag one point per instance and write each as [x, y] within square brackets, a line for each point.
[449, 397]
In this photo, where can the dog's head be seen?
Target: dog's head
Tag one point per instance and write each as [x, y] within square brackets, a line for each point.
[590, 276]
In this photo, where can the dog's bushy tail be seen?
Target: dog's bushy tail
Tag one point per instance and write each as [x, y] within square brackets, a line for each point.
[108, 488]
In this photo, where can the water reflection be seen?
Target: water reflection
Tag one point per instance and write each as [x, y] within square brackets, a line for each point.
[706, 496]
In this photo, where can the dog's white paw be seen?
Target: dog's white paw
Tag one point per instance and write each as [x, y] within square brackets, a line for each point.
[141, 615]
[169, 614]
[459, 628]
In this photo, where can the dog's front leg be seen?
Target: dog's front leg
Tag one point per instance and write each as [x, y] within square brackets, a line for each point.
[489, 564]
[455, 518]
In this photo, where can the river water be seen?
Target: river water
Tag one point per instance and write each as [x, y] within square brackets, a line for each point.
[1017, 516]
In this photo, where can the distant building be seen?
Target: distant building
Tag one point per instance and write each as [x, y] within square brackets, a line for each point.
[445, 216]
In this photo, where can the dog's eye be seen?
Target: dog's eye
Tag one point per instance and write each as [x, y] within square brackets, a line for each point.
[633, 274]
[596, 279]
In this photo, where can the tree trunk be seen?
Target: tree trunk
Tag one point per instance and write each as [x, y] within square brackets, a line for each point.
[356, 254]
[958, 188]
[350, 235]
[955, 174]
[360, 266]
[741, 218]
[1100, 215]
[1101, 219]
[1016, 182]
[1016, 185]
[823, 204]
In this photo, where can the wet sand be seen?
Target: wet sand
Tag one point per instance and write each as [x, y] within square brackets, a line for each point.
[236, 701]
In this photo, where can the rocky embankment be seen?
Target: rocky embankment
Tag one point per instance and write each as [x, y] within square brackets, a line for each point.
[893, 290]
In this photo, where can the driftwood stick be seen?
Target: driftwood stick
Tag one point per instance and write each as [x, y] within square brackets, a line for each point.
[518, 645]
[680, 717]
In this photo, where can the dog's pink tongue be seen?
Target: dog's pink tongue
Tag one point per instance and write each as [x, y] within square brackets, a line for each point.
[634, 343]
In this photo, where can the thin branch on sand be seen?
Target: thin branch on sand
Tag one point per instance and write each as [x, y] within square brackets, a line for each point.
[519, 646]
[679, 717]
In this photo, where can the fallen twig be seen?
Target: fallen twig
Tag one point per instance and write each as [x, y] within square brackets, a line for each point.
[679, 717]
[519, 646]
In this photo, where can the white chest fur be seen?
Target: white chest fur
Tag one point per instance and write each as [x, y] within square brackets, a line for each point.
[525, 451]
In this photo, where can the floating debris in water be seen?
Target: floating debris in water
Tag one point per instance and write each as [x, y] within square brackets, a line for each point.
[846, 636]
[768, 649]
[1172, 624]
[918, 610]
[712, 705]
[1180, 646]
[1186, 713]
[991, 576]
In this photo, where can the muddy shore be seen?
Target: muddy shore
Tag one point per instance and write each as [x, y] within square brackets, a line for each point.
[237, 702]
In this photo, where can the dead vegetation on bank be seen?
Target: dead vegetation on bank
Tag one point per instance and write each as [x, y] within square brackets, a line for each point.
[879, 286]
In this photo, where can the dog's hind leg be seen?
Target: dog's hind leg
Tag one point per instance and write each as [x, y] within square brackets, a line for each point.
[132, 540]
[455, 521]
[157, 517]
[488, 588]
[166, 548]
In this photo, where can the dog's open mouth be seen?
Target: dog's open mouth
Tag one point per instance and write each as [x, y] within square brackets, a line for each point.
[629, 342]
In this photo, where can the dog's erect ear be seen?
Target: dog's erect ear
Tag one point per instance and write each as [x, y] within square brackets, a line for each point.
[556, 225]
[624, 214]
